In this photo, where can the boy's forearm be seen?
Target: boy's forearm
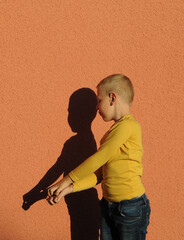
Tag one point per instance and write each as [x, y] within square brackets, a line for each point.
[88, 182]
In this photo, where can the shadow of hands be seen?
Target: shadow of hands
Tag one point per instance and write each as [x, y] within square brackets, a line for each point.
[39, 192]
[33, 196]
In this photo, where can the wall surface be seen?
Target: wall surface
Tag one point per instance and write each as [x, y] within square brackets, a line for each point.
[49, 50]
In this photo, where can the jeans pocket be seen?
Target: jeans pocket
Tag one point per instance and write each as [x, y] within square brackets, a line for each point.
[131, 212]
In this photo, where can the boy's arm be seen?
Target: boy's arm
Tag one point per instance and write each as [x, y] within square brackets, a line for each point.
[86, 183]
[116, 137]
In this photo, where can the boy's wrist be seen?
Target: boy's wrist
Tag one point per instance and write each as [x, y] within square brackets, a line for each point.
[68, 180]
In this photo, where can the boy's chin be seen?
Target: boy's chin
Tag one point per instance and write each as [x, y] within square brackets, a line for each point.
[106, 119]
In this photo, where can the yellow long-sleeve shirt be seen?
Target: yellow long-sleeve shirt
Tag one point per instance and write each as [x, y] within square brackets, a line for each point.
[117, 163]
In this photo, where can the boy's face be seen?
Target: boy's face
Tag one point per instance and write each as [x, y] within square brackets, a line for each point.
[104, 105]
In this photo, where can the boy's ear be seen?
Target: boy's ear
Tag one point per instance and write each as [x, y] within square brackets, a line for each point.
[112, 98]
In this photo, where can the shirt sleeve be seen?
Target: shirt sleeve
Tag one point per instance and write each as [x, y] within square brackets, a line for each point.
[118, 134]
[88, 182]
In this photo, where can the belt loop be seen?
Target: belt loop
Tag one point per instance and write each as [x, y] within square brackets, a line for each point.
[119, 206]
[144, 198]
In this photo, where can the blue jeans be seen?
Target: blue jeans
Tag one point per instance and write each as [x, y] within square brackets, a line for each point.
[125, 220]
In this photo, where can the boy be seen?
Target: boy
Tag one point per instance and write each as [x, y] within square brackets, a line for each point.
[117, 164]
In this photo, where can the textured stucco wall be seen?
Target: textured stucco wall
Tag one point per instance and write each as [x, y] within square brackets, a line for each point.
[49, 49]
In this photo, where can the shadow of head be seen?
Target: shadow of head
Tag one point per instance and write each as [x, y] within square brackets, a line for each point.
[82, 109]
[81, 112]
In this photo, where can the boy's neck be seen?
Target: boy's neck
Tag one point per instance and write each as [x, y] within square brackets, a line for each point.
[121, 116]
[120, 113]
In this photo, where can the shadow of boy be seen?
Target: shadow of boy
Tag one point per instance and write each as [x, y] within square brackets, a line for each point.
[83, 207]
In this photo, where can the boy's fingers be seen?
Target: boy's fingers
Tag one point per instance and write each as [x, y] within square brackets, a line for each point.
[64, 193]
[51, 191]
[59, 198]
[55, 200]
[57, 192]
[51, 201]
[47, 198]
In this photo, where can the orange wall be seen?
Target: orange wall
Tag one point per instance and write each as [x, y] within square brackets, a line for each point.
[49, 49]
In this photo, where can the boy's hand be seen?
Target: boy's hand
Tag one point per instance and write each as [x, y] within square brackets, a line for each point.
[56, 199]
[58, 187]
[55, 192]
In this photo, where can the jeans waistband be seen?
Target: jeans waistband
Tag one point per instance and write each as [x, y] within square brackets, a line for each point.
[142, 197]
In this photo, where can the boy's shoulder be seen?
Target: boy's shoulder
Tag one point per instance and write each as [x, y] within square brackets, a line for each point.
[126, 124]
[123, 126]
[127, 120]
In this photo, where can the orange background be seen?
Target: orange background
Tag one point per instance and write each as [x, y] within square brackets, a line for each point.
[49, 49]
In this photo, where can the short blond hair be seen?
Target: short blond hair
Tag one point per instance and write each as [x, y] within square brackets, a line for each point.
[119, 84]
